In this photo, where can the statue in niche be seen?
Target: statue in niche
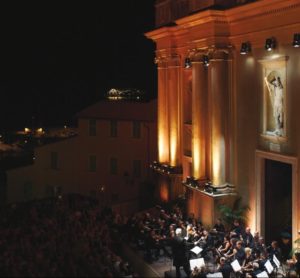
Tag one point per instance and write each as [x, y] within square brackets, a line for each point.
[276, 94]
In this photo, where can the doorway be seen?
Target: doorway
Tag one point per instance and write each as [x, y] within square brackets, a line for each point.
[278, 199]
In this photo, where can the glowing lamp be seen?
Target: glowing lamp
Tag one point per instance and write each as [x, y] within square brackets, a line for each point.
[270, 44]
[205, 60]
[187, 63]
[296, 41]
[245, 48]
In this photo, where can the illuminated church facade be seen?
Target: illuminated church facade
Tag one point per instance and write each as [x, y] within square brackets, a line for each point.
[228, 108]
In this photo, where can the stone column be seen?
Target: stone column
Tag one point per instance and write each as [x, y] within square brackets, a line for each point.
[218, 103]
[199, 115]
[163, 119]
[174, 69]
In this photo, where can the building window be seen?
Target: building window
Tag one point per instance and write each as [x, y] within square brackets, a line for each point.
[92, 163]
[54, 160]
[113, 166]
[113, 128]
[136, 129]
[137, 168]
[92, 127]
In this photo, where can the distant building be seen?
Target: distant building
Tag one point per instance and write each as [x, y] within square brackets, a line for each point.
[108, 159]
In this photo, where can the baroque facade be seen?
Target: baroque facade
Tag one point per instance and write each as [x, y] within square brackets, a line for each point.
[228, 104]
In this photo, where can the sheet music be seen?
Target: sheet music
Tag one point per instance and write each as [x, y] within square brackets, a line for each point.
[276, 261]
[196, 250]
[263, 274]
[197, 263]
[236, 266]
[269, 267]
[215, 275]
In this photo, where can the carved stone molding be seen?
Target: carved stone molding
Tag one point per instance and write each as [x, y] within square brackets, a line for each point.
[168, 60]
[213, 52]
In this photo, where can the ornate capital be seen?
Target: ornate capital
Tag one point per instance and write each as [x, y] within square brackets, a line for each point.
[196, 54]
[220, 53]
[164, 60]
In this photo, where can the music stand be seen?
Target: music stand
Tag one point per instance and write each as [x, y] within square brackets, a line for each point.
[236, 266]
[269, 267]
[214, 275]
[262, 274]
[197, 263]
[276, 262]
[196, 250]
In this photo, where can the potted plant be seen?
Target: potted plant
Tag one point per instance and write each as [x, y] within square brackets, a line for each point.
[235, 212]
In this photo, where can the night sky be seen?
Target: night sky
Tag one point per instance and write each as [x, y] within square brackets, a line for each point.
[56, 60]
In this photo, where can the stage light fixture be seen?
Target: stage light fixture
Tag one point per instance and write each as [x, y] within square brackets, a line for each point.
[270, 44]
[245, 48]
[187, 63]
[205, 60]
[296, 41]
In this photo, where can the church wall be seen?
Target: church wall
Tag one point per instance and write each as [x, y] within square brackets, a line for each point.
[251, 121]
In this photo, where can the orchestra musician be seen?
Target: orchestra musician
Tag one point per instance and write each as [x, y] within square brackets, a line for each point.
[180, 248]
[247, 265]
[224, 248]
[235, 244]
[224, 267]
[248, 238]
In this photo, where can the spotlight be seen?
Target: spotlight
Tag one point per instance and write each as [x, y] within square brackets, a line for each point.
[187, 63]
[245, 48]
[205, 60]
[270, 44]
[296, 42]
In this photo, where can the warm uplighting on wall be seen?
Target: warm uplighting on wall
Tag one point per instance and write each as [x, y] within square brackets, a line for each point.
[164, 192]
[196, 157]
[173, 148]
[26, 130]
[162, 150]
[296, 41]
[218, 160]
[245, 48]
[252, 221]
[40, 130]
[270, 44]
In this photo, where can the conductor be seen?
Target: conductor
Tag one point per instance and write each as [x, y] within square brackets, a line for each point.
[180, 248]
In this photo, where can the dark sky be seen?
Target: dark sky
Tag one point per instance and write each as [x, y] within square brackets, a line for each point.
[56, 60]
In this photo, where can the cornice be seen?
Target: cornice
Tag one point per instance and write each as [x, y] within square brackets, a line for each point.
[252, 22]
[260, 9]
[161, 33]
[202, 18]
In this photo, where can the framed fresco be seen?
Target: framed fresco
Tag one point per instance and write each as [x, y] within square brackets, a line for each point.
[274, 99]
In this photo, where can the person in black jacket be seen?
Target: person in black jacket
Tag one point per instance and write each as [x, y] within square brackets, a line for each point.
[224, 267]
[180, 252]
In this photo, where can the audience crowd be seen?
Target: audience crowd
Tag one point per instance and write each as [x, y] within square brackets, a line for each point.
[74, 236]
[68, 237]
